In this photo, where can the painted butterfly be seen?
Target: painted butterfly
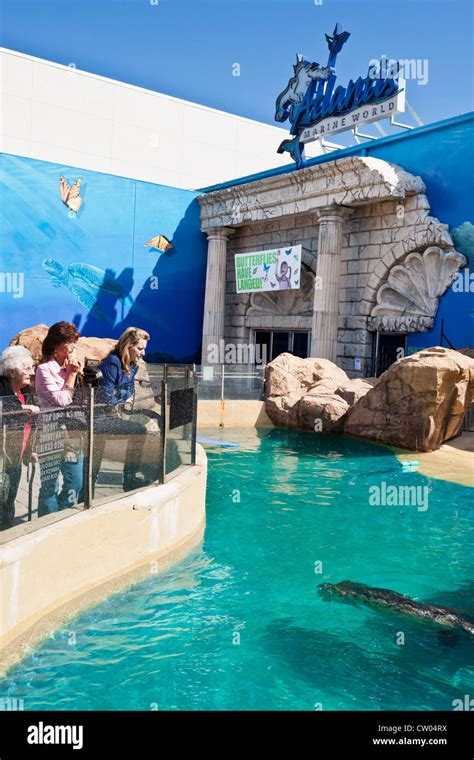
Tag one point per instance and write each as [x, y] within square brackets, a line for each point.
[273, 284]
[70, 195]
[160, 242]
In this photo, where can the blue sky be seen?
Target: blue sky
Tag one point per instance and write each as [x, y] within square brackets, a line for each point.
[187, 48]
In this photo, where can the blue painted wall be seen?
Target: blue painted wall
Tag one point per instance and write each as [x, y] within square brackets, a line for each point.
[444, 158]
[117, 218]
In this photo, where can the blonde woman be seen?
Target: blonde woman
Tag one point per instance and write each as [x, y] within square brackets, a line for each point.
[117, 386]
[121, 365]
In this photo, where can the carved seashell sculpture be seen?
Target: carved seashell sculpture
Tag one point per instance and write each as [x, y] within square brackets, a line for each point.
[408, 301]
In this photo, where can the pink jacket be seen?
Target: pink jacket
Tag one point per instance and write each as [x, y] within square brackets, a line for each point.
[49, 381]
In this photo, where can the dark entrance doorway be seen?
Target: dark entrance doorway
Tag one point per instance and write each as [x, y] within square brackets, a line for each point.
[278, 341]
[388, 347]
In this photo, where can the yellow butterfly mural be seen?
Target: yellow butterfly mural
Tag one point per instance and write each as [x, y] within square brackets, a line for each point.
[160, 242]
[70, 196]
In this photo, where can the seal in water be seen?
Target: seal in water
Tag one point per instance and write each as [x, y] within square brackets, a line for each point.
[349, 591]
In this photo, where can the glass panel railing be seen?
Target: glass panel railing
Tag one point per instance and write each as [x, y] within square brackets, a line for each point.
[60, 446]
[41, 461]
[55, 461]
[180, 405]
[231, 381]
[127, 445]
[211, 385]
[14, 476]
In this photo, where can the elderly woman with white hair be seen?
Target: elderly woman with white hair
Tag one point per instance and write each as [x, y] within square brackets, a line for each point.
[16, 397]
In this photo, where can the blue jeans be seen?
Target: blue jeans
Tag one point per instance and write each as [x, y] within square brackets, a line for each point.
[49, 499]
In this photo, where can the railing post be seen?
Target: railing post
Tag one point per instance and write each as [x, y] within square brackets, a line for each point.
[90, 448]
[193, 376]
[30, 474]
[164, 404]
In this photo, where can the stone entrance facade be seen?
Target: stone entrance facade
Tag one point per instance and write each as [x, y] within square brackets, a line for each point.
[374, 260]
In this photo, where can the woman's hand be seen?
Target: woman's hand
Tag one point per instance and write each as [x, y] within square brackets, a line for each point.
[73, 365]
[31, 408]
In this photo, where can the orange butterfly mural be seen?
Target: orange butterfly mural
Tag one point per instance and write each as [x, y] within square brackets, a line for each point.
[160, 242]
[70, 196]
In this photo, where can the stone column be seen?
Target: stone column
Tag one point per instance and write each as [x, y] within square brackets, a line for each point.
[214, 298]
[326, 293]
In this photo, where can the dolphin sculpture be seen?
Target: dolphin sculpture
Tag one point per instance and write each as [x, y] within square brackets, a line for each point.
[382, 598]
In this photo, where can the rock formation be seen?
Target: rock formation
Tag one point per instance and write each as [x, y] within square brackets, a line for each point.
[309, 393]
[418, 403]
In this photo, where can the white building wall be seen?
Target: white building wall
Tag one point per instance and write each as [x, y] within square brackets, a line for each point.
[56, 113]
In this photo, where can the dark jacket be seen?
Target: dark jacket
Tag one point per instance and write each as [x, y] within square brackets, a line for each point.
[13, 420]
[117, 386]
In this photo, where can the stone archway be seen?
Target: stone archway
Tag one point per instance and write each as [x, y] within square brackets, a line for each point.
[284, 309]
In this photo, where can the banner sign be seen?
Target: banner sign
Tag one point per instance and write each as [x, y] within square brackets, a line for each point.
[315, 107]
[276, 269]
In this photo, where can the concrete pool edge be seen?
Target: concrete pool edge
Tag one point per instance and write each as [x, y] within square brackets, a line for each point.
[453, 461]
[59, 570]
[233, 413]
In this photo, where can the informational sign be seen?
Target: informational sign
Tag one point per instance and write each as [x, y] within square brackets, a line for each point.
[316, 108]
[276, 269]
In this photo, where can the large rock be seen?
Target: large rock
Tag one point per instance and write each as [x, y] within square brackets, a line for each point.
[283, 410]
[418, 403]
[322, 412]
[32, 338]
[355, 389]
[90, 348]
[290, 375]
[302, 392]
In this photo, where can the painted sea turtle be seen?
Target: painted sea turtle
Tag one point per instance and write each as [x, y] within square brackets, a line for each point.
[85, 282]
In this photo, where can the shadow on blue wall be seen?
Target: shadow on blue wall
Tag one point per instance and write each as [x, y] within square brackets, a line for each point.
[93, 267]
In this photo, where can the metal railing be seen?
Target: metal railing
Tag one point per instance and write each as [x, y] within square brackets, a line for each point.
[443, 337]
[91, 451]
[225, 382]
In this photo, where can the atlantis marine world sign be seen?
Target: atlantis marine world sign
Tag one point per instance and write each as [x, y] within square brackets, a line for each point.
[316, 108]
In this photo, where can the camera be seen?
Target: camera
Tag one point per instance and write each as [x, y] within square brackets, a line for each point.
[92, 375]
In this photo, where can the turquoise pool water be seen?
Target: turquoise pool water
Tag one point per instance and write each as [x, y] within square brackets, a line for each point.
[239, 625]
